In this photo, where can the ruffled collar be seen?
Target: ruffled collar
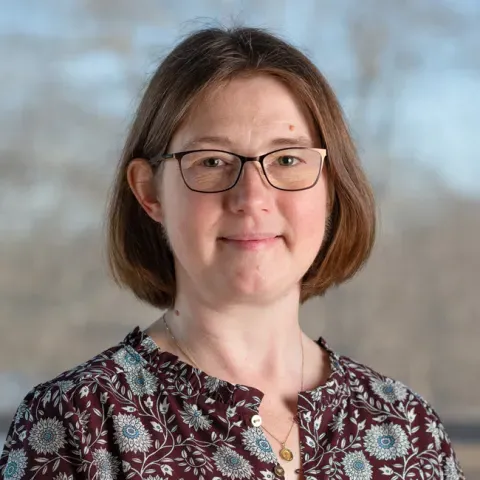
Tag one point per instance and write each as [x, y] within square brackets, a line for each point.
[192, 382]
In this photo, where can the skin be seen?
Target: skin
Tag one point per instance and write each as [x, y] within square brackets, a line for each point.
[238, 302]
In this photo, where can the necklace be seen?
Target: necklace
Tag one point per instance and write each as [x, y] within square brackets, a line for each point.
[284, 452]
[192, 361]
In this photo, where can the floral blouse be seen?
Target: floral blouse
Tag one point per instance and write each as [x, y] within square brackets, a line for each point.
[136, 412]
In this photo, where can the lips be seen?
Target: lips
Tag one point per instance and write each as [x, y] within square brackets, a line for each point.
[251, 241]
[248, 237]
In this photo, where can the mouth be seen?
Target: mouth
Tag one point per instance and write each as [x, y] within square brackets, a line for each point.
[251, 241]
[251, 236]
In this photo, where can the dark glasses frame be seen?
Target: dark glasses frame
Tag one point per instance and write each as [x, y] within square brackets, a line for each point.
[243, 159]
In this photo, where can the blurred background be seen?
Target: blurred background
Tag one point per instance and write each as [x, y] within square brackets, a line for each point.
[407, 73]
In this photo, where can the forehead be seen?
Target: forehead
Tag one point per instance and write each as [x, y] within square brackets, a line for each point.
[248, 109]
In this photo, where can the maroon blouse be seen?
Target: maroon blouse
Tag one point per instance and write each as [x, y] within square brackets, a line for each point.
[135, 412]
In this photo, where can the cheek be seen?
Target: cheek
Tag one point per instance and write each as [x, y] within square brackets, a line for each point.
[310, 223]
[187, 215]
[311, 210]
[172, 201]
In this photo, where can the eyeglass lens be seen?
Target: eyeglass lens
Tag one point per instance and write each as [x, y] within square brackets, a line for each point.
[213, 171]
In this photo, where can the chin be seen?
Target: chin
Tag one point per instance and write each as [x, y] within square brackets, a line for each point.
[253, 288]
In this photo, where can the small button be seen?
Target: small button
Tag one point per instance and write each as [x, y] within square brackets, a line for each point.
[256, 420]
[279, 470]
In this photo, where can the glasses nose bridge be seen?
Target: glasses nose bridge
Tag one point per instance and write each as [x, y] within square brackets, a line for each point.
[258, 158]
[244, 160]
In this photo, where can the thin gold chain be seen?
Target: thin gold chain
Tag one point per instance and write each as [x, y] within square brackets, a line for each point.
[293, 419]
[190, 358]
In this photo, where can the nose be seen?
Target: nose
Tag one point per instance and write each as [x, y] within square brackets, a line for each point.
[252, 193]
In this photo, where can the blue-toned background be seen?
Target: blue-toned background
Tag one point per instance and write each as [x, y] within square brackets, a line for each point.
[408, 76]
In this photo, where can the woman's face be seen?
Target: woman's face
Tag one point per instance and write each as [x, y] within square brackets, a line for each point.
[252, 243]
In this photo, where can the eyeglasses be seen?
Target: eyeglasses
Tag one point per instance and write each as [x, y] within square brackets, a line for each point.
[214, 171]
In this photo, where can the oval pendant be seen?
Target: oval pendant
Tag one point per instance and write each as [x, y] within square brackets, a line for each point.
[286, 454]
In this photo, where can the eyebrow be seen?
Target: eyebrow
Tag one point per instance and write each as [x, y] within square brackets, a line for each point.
[225, 142]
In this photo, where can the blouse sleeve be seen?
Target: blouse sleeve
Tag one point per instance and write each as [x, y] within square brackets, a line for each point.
[450, 465]
[43, 441]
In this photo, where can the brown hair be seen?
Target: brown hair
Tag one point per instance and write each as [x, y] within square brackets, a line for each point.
[138, 252]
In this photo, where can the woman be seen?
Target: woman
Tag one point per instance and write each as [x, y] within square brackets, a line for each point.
[238, 197]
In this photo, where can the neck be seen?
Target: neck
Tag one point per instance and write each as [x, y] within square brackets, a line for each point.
[255, 345]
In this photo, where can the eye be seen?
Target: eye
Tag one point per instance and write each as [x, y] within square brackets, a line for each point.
[287, 160]
[212, 162]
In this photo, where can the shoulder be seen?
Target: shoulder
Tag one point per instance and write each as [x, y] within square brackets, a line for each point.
[394, 409]
[369, 383]
[380, 397]
[377, 389]
[79, 381]
[62, 393]
[85, 382]
[57, 418]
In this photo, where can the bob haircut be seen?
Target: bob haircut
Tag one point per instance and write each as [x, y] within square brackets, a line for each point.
[138, 251]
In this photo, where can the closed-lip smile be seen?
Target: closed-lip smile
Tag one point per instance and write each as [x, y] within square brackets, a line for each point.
[247, 237]
[251, 241]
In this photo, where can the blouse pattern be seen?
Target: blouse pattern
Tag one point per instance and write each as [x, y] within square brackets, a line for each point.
[136, 412]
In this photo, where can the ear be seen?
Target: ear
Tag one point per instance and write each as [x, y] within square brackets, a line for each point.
[141, 179]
